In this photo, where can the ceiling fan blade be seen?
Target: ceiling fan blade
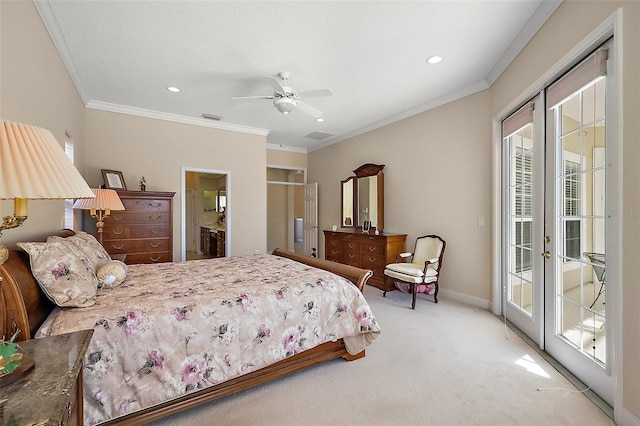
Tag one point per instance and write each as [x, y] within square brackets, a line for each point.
[275, 82]
[306, 108]
[254, 97]
[315, 93]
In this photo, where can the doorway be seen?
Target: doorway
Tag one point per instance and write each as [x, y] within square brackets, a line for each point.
[285, 208]
[556, 191]
[206, 213]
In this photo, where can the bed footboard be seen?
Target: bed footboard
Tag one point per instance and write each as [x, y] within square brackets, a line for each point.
[356, 275]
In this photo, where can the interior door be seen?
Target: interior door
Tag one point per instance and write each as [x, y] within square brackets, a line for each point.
[311, 219]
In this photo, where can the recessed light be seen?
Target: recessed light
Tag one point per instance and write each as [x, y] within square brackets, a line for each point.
[434, 59]
[173, 89]
[320, 120]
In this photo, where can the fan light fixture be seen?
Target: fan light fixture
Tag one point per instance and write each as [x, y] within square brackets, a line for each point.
[284, 105]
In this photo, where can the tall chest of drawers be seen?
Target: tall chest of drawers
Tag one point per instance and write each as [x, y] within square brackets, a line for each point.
[367, 251]
[143, 230]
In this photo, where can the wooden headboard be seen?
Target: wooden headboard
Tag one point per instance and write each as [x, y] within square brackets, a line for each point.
[23, 305]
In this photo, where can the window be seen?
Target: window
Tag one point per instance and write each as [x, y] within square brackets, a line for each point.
[572, 208]
[524, 208]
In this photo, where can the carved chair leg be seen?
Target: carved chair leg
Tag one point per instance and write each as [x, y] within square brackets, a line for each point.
[435, 294]
[384, 293]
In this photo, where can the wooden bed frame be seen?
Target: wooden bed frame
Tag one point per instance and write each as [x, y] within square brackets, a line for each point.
[24, 306]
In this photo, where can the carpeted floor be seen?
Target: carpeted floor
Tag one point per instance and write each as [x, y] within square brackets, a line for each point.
[442, 364]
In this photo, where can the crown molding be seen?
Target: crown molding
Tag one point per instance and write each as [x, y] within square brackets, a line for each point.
[53, 28]
[450, 97]
[534, 24]
[140, 112]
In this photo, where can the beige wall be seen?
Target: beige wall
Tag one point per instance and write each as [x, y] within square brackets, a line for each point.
[158, 150]
[37, 90]
[570, 24]
[438, 163]
[437, 180]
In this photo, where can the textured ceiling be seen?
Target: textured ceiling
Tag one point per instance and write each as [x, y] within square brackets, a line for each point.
[372, 55]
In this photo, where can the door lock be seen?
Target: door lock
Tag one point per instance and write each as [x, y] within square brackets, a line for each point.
[547, 239]
[547, 255]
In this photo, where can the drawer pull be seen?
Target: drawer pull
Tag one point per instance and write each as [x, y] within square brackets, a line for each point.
[372, 248]
[156, 245]
[117, 217]
[154, 259]
[157, 217]
[154, 205]
[117, 232]
[372, 260]
[117, 247]
[351, 256]
[154, 231]
[334, 252]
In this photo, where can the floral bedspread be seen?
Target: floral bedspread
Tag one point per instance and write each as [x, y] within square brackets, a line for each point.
[173, 328]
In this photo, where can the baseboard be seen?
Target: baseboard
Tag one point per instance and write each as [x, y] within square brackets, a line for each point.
[628, 419]
[464, 298]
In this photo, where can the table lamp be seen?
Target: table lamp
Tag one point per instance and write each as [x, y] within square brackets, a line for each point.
[100, 207]
[33, 166]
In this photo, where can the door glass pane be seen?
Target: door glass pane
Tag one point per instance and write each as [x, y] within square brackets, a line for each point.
[580, 287]
[520, 220]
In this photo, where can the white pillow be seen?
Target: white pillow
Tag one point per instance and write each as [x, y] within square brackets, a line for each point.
[111, 274]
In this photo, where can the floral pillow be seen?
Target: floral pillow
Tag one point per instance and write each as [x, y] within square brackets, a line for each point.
[88, 245]
[65, 274]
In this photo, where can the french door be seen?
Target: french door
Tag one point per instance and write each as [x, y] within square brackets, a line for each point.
[555, 155]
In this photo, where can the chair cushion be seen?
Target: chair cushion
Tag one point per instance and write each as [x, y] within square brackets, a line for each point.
[411, 272]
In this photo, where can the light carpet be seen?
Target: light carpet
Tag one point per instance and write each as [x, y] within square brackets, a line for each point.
[442, 364]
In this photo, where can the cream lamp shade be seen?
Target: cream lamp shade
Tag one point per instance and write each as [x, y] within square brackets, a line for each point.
[105, 199]
[33, 166]
[100, 207]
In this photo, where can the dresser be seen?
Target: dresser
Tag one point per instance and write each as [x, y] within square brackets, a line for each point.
[366, 251]
[143, 230]
[50, 393]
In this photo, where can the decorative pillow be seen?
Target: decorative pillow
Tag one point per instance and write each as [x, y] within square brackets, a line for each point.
[88, 244]
[65, 275]
[111, 274]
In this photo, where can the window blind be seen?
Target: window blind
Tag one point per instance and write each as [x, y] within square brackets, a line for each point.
[517, 120]
[582, 75]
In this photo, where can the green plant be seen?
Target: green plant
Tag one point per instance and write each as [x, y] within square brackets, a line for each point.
[10, 355]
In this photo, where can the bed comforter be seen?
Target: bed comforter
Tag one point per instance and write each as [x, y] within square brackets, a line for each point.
[173, 328]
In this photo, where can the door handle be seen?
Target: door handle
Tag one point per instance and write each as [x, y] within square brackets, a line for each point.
[546, 255]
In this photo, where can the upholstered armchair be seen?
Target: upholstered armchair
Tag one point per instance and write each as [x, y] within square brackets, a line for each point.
[420, 268]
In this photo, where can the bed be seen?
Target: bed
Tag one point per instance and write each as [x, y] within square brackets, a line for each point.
[194, 375]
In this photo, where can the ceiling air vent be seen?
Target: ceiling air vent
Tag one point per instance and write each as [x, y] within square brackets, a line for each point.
[318, 135]
[211, 116]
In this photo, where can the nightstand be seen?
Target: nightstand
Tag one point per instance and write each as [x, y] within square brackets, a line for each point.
[51, 393]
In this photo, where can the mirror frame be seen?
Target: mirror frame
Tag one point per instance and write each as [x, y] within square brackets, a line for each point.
[354, 194]
[368, 170]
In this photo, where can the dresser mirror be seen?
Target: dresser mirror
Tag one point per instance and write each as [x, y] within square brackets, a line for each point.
[366, 203]
[348, 197]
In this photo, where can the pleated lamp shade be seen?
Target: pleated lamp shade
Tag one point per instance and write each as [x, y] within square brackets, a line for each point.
[34, 166]
[106, 199]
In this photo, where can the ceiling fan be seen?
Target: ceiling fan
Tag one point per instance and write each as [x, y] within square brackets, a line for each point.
[285, 98]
